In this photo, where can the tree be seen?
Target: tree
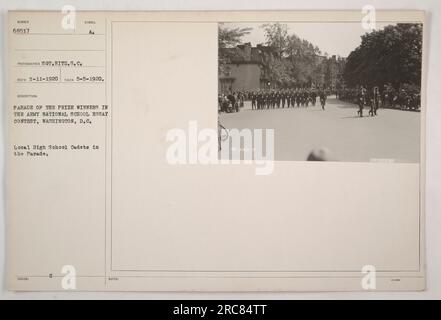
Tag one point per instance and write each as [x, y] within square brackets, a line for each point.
[392, 55]
[228, 38]
[297, 61]
[276, 36]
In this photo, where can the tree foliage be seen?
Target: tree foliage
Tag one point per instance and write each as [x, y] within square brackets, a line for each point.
[298, 62]
[277, 37]
[229, 38]
[391, 55]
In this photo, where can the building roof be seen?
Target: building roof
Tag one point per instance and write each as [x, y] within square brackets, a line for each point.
[247, 54]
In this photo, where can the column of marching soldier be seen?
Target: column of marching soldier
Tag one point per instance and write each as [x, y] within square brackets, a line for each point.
[286, 98]
[388, 97]
[271, 99]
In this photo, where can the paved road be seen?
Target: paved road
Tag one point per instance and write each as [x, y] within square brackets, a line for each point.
[392, 134]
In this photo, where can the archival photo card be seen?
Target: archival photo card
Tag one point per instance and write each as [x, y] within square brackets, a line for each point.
[223, 151]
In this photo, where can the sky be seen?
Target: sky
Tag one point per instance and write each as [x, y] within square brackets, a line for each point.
[333, 38]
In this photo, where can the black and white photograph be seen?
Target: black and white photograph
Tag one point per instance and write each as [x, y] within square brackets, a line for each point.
[331, 91]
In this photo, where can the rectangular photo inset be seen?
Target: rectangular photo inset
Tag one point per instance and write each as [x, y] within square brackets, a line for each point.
[320, 91]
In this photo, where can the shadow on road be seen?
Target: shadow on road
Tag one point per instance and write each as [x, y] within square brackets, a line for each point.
[354, 117]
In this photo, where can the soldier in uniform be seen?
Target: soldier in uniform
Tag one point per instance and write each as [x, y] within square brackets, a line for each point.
[278, 98]
[253, 100]
[298, 98]
[361, 100]
[283, 97]
[374, 101]
[323, 96]
[267, 100]
[314, 97]
[273, 99]
[304, 97]
[259, 100]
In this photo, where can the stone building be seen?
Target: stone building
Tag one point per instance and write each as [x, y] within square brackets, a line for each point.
[248, 68]
[245, 69]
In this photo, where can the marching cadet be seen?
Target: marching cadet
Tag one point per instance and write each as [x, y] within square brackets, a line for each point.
[375, 101]
[304, 97]
[323, 96]
[273, 99]
[267, 100]
[307, 97]
[314, 97]
[253, 100]
[361, 100]
[259, 100]
[289, 98]
[298, 98]
[278, 99]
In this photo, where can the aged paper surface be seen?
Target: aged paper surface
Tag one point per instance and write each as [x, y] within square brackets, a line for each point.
[93, 198]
